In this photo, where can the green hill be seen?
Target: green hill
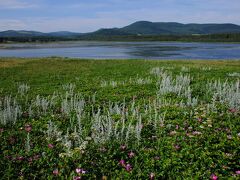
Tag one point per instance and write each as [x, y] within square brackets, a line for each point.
[172, 28]
[22, 33]
[138, 28]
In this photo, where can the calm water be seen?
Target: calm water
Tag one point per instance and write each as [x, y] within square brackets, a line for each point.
[124, 50]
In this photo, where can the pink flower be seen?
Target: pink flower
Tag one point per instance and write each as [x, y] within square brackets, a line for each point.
[1, 130]
[232, 110]
[128, 167]
[196, 133]
[50, 146]
[131, 154]
[77, 178]
[36, 157]
[151, 176]
[55, 172]
[123, 147]
[214, 177]
[237, 172]
[20, 158]
[103, 149]
[177, 147]
[199, 119]
[80, 171]
[28, 128]
[229, 137]
[30, 159]
[227, 130]
[177, 127]
[122, 162]
[8, 157]
[157, 158]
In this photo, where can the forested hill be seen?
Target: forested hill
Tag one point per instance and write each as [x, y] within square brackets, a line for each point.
[138, 31]
[172, 28]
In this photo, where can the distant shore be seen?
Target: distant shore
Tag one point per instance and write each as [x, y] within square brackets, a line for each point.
[232, 38]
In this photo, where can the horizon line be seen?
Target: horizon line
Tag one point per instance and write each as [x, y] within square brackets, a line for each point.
[114, 27]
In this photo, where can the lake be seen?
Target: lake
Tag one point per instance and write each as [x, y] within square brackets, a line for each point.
[123, 50]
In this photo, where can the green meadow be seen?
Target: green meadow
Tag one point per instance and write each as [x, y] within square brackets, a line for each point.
[63, 118]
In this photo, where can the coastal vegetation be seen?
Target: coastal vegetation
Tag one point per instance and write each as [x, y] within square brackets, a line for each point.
[235, 37]
[63, 118]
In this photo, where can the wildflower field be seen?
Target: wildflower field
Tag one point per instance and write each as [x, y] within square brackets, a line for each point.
[64, 118]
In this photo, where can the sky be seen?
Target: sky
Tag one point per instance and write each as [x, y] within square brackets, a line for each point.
[90, 15]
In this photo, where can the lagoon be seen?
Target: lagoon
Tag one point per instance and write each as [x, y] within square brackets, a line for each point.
[123, 50]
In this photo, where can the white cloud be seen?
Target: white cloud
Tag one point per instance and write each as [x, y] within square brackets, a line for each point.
[117, 13]
[15, 4]
[175, 15]
[11, 24]
[75, 24]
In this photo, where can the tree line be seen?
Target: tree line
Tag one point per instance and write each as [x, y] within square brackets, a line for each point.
[184, 38]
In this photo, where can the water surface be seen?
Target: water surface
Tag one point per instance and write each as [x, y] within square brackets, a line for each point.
[123, 50]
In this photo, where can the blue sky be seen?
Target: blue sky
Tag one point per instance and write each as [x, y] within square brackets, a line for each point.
[90, 15]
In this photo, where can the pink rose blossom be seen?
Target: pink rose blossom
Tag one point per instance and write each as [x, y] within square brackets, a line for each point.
[232, 110]
[77, 178]
[152, 176]
[237, 172]
[55, 172]
[36, 157]
[103, 149]
[229, 137]
[78, 170]
[123, 147]
[131, 154]
[28, 128]
[196, 133]
[128, 167]
[20, 158]
[177, 147]
[122, 163]
[50, 146]
[30, 159]
[199, 119]
[214, 177]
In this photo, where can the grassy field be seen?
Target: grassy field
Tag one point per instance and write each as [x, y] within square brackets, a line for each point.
[64, 118]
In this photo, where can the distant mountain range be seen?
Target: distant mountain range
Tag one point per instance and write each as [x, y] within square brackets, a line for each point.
[22, 33]
[138, 28]
[172, 28]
